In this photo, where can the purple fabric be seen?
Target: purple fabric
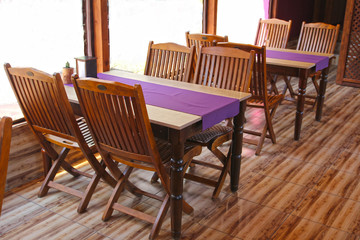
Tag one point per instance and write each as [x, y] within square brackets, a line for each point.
[213, 109]
[320, 61]
[266, 8]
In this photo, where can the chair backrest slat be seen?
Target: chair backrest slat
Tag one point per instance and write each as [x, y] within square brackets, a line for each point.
[44, 106]
[273, 33]
[225, 68]
[258, 84]
[318, 37]
[170, 61]
[117, 118]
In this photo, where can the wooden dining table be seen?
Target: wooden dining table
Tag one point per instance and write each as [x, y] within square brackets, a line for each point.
[177, 126]
[289, 62]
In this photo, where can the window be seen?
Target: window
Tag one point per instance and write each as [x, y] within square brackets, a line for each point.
[133, 23]
[239, 19]
[41, 34]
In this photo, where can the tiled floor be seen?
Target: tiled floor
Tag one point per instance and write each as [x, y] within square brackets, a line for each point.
[306, 189]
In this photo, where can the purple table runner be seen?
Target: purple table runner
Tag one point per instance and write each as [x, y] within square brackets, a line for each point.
[321, 62]
[213, 109]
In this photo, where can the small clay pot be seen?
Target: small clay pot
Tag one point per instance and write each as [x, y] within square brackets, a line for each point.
[66, 75]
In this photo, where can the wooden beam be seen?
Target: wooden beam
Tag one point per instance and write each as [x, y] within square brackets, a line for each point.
[101, 35]
[210, 16]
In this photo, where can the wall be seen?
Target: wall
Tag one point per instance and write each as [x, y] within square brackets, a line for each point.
[297, 11]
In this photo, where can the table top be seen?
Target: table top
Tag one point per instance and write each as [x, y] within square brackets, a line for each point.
[294, 64]
[166, 117]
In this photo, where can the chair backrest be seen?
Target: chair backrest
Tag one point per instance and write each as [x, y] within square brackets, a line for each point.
[273, 33]
[318, 37]
[225, 68]
[203, 39]
[119, 123]
[258, 84]
[45, 105]
[5, 139]
[170, 61]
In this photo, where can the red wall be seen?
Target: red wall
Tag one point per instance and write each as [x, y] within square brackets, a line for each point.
[297, 11]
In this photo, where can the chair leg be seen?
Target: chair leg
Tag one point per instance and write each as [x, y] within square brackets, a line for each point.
[154, 178]
[52, 173]
[116, 194]
[273, 80]
[160, 217]
[268, 127]
[288, 86]
[317, 89]
[88, 193]
[46, 162]
[222, 176]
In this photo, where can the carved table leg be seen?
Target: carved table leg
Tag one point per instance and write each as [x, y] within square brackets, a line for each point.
[300, 103]
[321, 95]
[176, 184]
[237, 140]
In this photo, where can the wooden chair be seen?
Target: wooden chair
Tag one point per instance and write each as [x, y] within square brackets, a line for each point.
[47, 110]
[119, 123]
[315, 37]
[203, 39]
[170, 61]
[273, 33]
[224, 68]
[5, 139]
[260, 97]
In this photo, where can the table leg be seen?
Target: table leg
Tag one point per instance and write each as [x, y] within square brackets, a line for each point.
[237, 140]
[176, 183]
[321, 95]
[300, 102]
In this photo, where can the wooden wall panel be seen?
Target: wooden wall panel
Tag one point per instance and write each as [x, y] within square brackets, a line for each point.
[101, 34]
[25, 160]
[349, 63]
[210, 16]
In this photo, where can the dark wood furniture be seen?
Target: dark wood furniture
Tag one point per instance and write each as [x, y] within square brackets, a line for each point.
[273, 33]
[259, 94]
[302, 70]
[179, 126]
[47, 110]
[5, 140]
[318, 38]
[170, 61]
[119, 123]
[348, 72]
[224, 68]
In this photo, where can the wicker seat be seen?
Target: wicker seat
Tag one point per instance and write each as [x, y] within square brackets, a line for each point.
[125, 136]
[260, 97]
[5, 139]
[47, 110]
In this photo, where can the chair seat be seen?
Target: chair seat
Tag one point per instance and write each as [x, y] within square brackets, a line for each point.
[258, 102]
[73, 144]
[210, 134]
[165, 151]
